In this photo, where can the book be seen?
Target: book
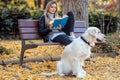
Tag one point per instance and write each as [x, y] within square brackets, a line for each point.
[60, 21]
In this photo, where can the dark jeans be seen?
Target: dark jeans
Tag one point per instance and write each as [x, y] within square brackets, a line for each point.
[62, 39]
[70, 24]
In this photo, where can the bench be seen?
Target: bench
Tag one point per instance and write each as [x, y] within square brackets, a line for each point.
[29, 31]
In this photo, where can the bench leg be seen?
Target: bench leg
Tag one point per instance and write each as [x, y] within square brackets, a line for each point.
[22, 55]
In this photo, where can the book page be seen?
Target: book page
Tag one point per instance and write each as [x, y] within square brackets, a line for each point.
[60, 21]
[64, 20]
[56, 22]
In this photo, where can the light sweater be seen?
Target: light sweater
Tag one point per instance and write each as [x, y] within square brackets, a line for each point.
[54, 32]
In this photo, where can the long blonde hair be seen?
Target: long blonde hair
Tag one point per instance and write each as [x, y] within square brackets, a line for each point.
[47, 18]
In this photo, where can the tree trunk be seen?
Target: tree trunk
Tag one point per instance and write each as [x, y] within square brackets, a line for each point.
[78, 7]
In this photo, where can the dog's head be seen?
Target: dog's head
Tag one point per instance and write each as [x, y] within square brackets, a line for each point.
[96, 34]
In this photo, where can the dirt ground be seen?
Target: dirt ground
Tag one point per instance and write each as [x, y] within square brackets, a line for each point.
[98, 68]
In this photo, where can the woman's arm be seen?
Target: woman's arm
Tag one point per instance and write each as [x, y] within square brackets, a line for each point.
[43, 29]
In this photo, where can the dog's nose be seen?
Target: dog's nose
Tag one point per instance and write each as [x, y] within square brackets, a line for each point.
[104, 36]
[104, 40]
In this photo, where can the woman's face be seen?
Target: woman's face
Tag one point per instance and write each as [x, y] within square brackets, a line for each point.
[53, 8]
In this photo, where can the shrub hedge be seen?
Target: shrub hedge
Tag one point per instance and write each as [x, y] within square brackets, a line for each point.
[107, 22]
[9, 15]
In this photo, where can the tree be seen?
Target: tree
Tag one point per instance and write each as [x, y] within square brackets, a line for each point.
[112, 5]
[114, 8]
[78, 7]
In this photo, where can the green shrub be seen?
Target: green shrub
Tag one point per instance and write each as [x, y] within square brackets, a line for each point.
[35, 14]
[112, 44]
[107, 22]
[10, 14]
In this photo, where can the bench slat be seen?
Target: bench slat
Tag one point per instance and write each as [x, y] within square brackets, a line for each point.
[27, 23]
[28, 30]
[79, 24]
[79, 30]
[78, 34]
[30, 36]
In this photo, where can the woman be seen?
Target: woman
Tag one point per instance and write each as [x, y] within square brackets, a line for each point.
[60, 35]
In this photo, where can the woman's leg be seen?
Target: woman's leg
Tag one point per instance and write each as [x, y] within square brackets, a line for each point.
[70, 24]
[62, 39]
[69, 27]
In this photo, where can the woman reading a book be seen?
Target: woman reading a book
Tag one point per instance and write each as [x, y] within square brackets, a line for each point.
[63, 35]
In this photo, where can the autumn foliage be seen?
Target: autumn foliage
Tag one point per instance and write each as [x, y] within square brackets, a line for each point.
[97, 68]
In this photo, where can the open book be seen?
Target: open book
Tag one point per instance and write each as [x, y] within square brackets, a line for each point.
[60, 21]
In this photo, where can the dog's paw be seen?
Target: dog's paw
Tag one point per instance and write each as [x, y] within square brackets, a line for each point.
[84, 72]
[82, 63]
[81, 74]
[61, 74]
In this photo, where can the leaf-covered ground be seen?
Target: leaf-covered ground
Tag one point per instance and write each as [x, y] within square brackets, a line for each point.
[98, 68]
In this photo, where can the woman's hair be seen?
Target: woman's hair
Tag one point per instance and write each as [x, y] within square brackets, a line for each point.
[49, 4]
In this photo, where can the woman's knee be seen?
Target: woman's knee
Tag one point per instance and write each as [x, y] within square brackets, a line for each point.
[70, 13]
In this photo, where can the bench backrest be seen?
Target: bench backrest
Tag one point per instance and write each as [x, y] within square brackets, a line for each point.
[29, 29]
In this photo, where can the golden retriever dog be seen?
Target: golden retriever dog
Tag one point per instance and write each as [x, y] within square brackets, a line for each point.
[74, 54]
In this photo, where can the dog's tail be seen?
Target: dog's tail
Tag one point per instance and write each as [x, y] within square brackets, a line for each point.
[48, 73]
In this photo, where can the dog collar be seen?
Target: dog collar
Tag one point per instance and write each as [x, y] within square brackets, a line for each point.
[85, 41]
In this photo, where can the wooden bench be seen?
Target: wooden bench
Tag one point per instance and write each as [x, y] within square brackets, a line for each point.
[29, 31]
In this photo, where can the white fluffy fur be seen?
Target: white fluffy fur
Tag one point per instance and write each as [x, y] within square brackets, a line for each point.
[74, 54]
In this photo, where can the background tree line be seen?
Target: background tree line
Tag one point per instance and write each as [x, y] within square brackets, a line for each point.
[102, 14]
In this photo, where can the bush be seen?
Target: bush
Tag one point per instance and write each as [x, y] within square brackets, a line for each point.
[35, 14]
[112, 44]
[107, 22]
[10, 14]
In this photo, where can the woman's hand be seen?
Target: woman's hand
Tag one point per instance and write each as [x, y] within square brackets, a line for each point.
[50, 25]
[59, 27]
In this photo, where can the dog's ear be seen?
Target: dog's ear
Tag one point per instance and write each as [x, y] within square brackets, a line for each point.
[93, 32]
